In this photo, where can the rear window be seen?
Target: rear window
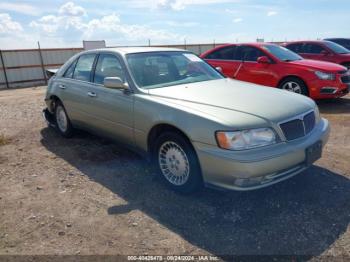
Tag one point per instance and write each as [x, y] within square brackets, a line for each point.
[225, 53]
[296, 48]
[313, 49]
[83, 68]
[70, 70]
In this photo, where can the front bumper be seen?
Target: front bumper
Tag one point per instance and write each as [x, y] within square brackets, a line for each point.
[48, 117]
[257, 168]
[326, 89]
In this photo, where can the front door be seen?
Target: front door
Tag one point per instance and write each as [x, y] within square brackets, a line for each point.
[110, 110]
[252, 71]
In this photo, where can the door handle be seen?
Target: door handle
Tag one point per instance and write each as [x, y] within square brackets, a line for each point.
[91, 94]
[62, 86]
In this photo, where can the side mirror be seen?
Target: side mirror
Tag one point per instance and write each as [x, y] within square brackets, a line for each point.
[114, 83]
[219, 69]
[324, 52]
[263, 60]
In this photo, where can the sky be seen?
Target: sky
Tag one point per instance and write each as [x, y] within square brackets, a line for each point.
[136, 22]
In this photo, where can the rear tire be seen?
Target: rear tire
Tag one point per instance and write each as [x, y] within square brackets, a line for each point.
[63, 124]
[295, 85]
[176, 161]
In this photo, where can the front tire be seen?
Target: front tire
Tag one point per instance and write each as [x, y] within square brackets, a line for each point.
[176, 162]
[63, 123]
[295, 85]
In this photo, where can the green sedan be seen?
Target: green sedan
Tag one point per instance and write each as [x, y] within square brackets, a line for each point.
[194, 125]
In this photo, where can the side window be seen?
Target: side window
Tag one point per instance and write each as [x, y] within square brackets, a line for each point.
[83, 68]
[313, 49]
[225, 53]
[248, 53]
[296, 48]
[70, 70]
[108, 66]
[343, 42]
[239, 53]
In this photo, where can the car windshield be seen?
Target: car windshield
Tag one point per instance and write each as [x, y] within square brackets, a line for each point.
[336, 48]
[167, 68]
[282, 53]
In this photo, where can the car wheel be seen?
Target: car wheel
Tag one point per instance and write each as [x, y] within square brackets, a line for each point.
[176, 162]
[63, 123]
[295, 85]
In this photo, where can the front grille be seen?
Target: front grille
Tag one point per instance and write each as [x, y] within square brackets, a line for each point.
[309, 122]
[299, 127]
[345, 79]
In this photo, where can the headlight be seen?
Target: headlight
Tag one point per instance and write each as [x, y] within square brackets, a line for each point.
[325, 76]
[317, 114]
[246, 139]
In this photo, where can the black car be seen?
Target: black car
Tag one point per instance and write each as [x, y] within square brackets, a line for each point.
[345, 42]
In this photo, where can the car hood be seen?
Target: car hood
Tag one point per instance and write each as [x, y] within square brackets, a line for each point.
[229, 95]
[319, 65]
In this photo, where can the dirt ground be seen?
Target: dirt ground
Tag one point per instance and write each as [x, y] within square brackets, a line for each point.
[86, 195]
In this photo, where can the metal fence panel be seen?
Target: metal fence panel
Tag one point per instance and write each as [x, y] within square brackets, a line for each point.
[26, 58]
[24, 68]
[2, 79]
[57, 56]
[17, 74]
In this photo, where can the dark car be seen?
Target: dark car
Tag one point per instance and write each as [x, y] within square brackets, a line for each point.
[321, 50]
[344, 42]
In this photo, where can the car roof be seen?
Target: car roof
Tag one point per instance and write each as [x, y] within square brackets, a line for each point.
[306, 42]
[257, 44]
[133, 50]
[336, 38]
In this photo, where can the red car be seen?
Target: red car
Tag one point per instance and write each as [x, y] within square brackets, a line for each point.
[321, 50]
[272, 65]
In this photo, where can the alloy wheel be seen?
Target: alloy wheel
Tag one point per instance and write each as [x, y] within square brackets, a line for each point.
[173, 163]
[61, 118]
[292, 87]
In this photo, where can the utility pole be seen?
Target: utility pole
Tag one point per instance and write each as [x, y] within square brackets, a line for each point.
[42, 63]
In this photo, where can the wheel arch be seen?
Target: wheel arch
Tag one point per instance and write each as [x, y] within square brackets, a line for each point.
[52, 102]
[160, 128]
[292, 76]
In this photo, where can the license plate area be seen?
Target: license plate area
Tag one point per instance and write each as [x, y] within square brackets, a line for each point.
[313, 153]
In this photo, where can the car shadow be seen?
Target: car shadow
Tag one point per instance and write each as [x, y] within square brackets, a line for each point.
[304, 215]
[335, 106]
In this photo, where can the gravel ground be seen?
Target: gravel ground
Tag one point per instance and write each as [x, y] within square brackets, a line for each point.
[86, 195]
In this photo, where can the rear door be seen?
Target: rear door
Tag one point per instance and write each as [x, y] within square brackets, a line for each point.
[223, 58]
[72, 88]
[110, 110]
[252, 71]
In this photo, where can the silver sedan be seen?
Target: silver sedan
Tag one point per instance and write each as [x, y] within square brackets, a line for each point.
[194, 125]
